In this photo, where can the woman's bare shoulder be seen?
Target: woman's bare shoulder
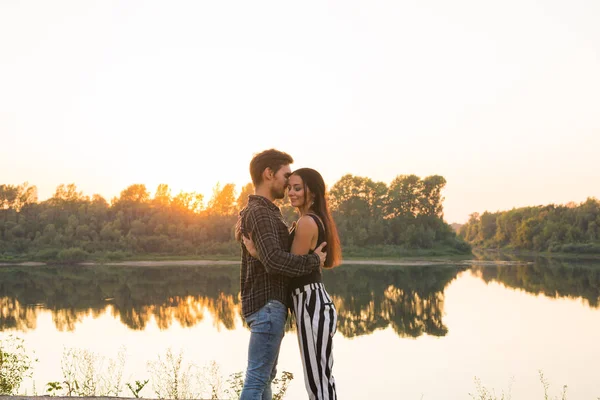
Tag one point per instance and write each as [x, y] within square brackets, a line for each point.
[306, 224]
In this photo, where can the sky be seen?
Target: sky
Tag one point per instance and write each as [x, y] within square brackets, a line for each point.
[500, 98]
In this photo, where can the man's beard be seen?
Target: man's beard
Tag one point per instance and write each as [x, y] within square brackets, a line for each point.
[278, 193]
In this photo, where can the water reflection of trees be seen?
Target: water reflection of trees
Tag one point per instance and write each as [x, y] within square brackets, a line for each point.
[548, 276]
[13, 315]
[135, 295]
[409, 299]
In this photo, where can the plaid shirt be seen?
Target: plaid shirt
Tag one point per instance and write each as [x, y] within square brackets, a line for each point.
[267, 279]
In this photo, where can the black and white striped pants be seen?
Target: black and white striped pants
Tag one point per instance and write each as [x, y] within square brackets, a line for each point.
[316, 322]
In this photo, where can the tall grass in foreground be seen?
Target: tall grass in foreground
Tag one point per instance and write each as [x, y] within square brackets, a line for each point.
[170, 377]
[484, 393]
[84, 374]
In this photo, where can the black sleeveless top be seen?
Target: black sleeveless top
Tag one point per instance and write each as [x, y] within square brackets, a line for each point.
[315, 276]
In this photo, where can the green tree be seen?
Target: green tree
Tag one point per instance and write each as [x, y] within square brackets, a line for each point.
[430, 199]
[404, 196]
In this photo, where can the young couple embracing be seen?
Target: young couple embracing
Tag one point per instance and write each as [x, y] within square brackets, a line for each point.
[282, 268]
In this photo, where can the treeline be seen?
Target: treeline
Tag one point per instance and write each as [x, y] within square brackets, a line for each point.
[571, 228]
[70, 226]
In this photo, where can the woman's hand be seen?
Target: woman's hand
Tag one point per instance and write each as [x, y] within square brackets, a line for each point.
[250, 246]
[238, 229]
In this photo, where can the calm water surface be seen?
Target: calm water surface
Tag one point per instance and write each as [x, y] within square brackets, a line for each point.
[404, 332]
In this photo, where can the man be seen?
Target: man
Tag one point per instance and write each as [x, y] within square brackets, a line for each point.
[264, 285]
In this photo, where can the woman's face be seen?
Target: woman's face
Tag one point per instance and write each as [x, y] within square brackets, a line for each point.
[296, 191]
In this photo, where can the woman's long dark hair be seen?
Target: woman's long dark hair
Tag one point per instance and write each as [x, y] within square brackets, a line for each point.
[313, 181]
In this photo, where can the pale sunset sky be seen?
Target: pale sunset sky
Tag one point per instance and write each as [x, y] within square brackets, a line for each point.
[501, 98]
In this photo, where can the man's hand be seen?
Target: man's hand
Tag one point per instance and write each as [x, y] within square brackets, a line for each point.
[322, 254]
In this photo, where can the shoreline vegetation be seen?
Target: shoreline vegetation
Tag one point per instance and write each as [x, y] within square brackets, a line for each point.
[400, 221]
[374, 220]
[409, 258]
[564, 229]
[374, 254]
[169, 376]
[196, 263]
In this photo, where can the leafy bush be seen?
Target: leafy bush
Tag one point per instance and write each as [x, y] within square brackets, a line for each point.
[586, 248]
[72, 255]
[15, 365]
[47, 255]
[116, 255]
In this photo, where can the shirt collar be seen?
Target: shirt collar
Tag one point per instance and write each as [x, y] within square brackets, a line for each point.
[264, 201]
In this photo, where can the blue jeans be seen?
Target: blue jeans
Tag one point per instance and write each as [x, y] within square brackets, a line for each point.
[267, 327]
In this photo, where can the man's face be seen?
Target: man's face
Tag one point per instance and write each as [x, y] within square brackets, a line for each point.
[279, 182]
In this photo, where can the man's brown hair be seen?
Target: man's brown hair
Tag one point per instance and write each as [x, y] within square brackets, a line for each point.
[271, 158]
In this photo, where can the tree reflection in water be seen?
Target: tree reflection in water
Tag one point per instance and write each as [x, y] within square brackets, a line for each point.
[554, 278]
[410, 300]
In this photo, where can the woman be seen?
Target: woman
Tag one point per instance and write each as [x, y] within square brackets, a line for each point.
[316, 316]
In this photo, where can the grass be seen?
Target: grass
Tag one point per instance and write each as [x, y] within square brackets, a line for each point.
[529, 253]
[136, 257]
[376, 252]
[483, 393]
[86, 374]
[172, 257]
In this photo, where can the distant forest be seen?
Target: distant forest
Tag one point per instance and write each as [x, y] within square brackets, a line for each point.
[570, 228]
[373, 218]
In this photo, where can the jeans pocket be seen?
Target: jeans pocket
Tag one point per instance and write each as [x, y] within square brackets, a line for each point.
[276, 305]
[269, 319]
[277, 312]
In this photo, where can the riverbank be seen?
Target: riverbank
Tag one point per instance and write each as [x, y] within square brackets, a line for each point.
[174, 263]
[371, 255]
[480, 257]
[483, 253]
[78, 255]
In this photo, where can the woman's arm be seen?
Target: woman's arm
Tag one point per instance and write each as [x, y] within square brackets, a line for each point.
[274, 259]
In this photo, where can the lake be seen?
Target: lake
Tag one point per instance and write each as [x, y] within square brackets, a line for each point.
[404, 332]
